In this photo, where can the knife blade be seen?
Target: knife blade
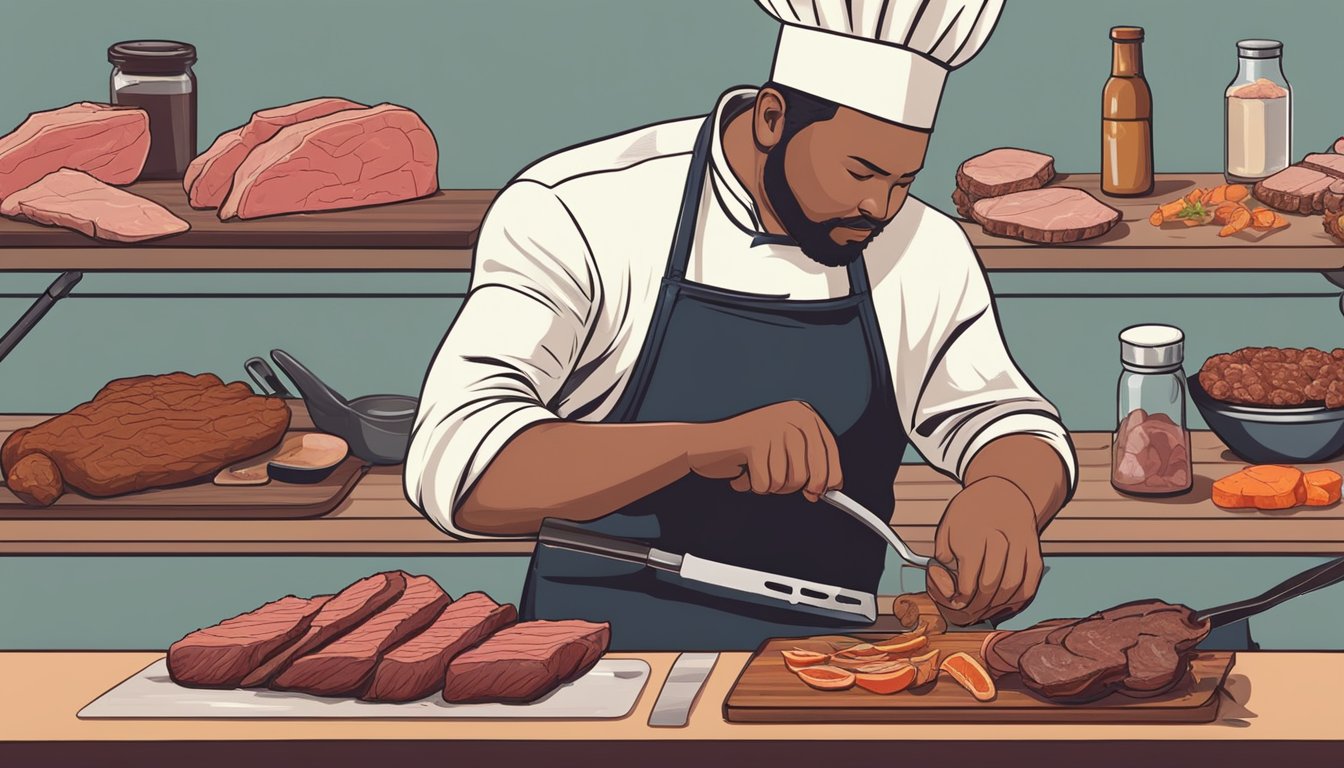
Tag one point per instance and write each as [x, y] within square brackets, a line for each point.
[721, 579]
[681, 689]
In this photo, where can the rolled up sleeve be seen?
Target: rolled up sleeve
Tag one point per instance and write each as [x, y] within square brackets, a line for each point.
[957, 387]
[511, 347]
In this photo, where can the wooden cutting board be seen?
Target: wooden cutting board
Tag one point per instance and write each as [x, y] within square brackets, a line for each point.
[767, 692]
[203, 500]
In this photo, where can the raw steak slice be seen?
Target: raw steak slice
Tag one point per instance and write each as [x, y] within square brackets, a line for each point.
[1004, 171]
[353, 158]
[220, 656]
[110, 143]
[526, 661]
[350, 607]
[1329, 164]
[416, 668]
[1296, 189]
[75, 200]
[210, 175]
[343, 668]
[1050, 215]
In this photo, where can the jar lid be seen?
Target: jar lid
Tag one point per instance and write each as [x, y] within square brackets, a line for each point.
[1259, 49]
[145, 57]
[1127, 34]
[1155, 347]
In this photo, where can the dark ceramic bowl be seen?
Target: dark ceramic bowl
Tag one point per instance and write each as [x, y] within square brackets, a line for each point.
[1266, 435]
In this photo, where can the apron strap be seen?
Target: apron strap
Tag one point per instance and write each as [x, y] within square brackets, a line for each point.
[684, 239]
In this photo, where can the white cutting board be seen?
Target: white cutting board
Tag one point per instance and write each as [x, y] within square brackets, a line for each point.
[609, 690]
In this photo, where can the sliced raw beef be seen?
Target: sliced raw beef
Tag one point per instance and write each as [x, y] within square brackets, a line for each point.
[111, 143]
[1050, 215]
[75, 200]
[210, 175]
[526, 661]
[1297, 189]
[350, 159]
[220, 656]
[416, 668]
[350, 607]
[343, 668]
[1004, 171]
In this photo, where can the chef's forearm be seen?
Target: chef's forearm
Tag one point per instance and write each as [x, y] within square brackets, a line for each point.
[575, 471]
[1030, 463]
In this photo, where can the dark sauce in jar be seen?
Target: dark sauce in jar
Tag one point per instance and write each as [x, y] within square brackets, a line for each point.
[156, 76]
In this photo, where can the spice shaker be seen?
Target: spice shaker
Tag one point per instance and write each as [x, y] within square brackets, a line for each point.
[156, 76]
[1258, 114]
[1151, 448]
[1126, 119]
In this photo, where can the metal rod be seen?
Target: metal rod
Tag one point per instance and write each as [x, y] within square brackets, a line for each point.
[59, 289]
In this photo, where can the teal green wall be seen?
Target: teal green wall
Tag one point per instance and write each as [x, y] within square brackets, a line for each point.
[502, 82]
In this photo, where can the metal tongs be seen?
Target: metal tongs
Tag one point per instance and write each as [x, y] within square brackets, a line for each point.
[859, 512]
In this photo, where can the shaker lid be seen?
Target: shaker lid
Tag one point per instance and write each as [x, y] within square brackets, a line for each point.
[1152, 346]
[1259, 49]
[1127, 34]
[167, 57]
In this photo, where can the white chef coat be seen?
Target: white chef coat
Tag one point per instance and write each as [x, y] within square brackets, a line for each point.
[567, 269]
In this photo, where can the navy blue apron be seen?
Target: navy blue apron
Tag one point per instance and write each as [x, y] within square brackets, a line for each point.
[710, 354]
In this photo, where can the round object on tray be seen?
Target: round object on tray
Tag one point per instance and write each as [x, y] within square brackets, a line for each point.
[1269, 435]
[307, 458]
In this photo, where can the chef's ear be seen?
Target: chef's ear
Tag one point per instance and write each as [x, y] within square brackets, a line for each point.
[768, 118]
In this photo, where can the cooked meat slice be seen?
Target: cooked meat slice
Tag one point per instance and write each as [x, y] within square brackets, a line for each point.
[110, 143]
[220, 656]
[75, 200]
[416, 668]
[1004, 652]
[1297, 189]
[526, 661]
[1055, 672]
[344, 667]
[1050, 215]
[1327, 163]
[1003, 171]
[1152, 664]
[349, 608]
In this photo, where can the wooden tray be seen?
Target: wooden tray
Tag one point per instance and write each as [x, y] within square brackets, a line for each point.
[203, 500]
[767, 692]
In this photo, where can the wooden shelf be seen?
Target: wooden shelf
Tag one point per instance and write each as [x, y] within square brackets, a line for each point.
[437, 233]
[377, 519]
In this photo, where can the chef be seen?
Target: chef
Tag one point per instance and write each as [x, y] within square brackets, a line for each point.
[685, 333]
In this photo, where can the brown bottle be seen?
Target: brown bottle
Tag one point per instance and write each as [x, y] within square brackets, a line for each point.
[1126, 119]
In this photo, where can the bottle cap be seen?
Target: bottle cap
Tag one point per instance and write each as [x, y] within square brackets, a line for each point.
[1259, 49]
[1152, 347]
[150, 57]
[1127, 34]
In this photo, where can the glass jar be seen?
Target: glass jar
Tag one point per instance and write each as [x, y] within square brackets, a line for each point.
[156, 76]
[1151, 447]
[1258, 114]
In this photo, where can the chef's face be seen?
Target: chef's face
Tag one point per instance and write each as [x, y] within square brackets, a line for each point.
[834, 184]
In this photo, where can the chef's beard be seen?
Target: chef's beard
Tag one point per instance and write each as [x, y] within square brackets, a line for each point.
[813, 238]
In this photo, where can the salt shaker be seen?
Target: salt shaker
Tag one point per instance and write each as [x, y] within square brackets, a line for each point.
[1258, 119]
[1151, 448]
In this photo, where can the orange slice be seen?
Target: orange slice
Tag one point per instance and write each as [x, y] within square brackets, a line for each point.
[926, 667]
[973, 677]
[799, 658]
[904, 644]
[887, 683]
[826, 678]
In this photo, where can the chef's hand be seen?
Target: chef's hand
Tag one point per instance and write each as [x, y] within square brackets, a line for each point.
[988, 537]
[780, 448]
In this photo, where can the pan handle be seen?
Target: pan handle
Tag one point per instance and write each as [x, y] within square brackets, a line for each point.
[1310, 580]
[262, 373]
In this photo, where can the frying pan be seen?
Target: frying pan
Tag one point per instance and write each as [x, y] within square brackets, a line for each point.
[377, 427]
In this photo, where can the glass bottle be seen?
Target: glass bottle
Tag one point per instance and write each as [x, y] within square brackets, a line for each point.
[1257, 114]
[156, 76]
[1126, 119]
[1151, 447]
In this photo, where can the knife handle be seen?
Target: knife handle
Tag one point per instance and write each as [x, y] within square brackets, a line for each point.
[567, 535]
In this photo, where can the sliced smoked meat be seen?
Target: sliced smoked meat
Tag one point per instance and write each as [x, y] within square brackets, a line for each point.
[75, 200]
[110, 143]
[416, 668]
[210, 175]
[526, 661]
[1003, 171]
[1004, 649]
[349, 608]
[349, 159]
[343, 668]
[1297, 189]
[1325, 162]
[220, 656]
[1050, 215]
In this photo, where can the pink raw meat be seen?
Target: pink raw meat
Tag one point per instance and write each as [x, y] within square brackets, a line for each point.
[110, 143]
[75, 200]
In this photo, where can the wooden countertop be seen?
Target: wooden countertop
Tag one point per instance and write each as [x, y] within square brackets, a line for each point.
[1283, 707]
[377, 519]
[438, 232]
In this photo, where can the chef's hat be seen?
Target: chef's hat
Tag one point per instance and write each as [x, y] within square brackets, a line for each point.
[888, 58]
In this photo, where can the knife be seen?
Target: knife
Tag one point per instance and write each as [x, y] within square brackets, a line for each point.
[731, 581]
[681, 689]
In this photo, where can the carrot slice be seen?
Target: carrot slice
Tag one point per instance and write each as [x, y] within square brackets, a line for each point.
[1216, 195]
[1236, 222]
[1267, 486]
[1237, 192]
[1323, 487]
[1223, 213]
[1262, 219]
